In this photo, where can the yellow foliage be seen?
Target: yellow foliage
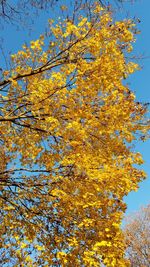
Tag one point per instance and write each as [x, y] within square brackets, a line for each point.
[67, 124]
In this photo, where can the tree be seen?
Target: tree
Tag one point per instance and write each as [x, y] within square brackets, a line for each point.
[138, 238]
[67, 122]
[19, 9]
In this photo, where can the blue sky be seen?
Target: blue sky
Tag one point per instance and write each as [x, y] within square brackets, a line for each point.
[139, 82]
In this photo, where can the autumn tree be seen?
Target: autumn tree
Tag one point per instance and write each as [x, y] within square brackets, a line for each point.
[137, 237]
[19, 10]
[67, 122]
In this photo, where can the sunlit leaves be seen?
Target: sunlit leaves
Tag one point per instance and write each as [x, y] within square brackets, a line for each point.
[69, 121]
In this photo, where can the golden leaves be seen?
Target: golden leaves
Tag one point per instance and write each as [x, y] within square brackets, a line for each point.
[68, 123]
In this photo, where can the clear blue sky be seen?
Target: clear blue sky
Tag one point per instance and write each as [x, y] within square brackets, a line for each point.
[139, 82]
